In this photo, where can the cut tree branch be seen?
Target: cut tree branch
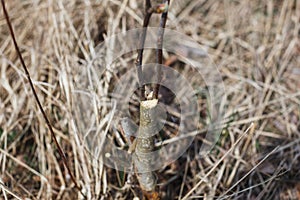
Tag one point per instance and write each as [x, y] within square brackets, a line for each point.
[148, 116]
[145, 145]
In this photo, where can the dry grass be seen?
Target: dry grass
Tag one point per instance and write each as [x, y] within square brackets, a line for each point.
[256, 46]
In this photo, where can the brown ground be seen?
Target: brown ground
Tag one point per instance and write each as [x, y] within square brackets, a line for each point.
[254, 43]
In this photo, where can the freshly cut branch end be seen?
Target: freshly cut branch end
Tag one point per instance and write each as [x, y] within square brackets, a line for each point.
[149, 104]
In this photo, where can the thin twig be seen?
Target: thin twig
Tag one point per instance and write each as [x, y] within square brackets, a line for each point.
[160, 8]
[61, 153]
[139, 60]
[159, 50]
[148, 5]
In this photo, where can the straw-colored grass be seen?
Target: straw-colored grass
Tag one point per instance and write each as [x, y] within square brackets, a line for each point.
[254, 43]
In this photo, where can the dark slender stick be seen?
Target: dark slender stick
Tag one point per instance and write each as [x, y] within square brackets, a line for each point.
[148, 5]
[61, 153]
[159, 50]
[139, 60]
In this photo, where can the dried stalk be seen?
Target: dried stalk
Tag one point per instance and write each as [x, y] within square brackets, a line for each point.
[60, 151]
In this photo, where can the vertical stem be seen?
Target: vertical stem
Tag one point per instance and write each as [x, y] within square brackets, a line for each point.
[145, 145]
[139, 60]
[148, 128]
[159, 51]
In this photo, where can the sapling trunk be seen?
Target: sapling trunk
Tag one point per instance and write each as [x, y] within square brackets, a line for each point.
[149, 112]
[145, 144]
